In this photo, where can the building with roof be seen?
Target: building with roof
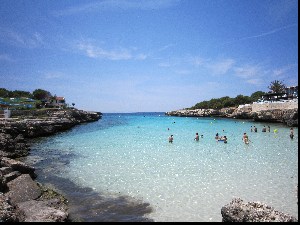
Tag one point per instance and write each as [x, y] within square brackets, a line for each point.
[58, 102]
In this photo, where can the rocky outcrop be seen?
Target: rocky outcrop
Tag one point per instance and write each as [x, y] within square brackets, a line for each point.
[238, 211]
[21, 198]
[15, 130]
[286, 116]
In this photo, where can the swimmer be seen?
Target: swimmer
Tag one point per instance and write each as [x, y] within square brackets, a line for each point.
[171, 139]
[292, 133]
[225, 139]
[255, 129]
[245, 138]
[197, 137]
[217, 136]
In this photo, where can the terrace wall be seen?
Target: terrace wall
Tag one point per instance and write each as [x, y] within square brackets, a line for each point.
[256, 107]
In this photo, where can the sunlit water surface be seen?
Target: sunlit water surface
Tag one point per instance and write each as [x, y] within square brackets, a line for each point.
[126, 160]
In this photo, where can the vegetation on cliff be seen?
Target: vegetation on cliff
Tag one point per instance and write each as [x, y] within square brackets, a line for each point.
[275, 86]
[225, 102]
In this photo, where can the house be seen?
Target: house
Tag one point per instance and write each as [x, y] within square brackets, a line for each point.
[289, 93]
[292, 92]
[58, 102]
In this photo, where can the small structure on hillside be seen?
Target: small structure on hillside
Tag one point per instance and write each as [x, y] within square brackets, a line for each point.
[58, 102]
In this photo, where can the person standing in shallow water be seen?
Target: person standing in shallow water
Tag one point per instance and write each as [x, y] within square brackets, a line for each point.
[171, 139]
[245, 138]
[197, 137]
[292, 133]
[255, 129]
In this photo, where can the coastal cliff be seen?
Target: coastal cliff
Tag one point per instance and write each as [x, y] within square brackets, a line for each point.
[21, 198]
[286, 113]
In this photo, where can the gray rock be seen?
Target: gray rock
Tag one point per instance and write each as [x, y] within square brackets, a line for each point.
[7, 211]
[39, 211]
[17, 166]
[237, 211]
[23, 188]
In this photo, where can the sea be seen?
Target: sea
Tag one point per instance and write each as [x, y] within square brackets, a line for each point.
[123, 168]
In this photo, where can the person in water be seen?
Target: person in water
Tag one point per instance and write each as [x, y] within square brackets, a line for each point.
[197, 137]
[217, 136]
[225, 139]
[292, 133]
[171, 139]
[245, 138]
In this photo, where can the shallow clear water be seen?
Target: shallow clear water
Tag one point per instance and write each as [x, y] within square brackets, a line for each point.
[129, 156]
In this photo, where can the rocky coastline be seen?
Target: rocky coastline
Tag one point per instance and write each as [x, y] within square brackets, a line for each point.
[24, 200]
[284, 114]
[21, 198]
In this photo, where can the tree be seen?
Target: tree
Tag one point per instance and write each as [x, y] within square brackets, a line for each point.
[241, 100]
[18, 94]
[4, 93]
[41, 94]
[277, 86]
[257, 95]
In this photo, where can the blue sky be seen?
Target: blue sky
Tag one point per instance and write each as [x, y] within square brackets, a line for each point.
[147, 56]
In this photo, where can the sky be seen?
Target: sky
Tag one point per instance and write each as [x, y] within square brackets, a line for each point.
[147, 55]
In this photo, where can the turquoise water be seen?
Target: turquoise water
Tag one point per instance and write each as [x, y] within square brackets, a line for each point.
[129, 155]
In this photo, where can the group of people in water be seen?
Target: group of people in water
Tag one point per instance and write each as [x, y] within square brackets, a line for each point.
[245, 137]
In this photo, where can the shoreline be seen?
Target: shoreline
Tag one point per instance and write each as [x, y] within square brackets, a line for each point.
[271, 113]
[22, 199]
[32, 128]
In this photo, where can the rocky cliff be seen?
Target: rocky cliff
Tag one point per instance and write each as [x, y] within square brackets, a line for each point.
[287, 116]
[21, 198]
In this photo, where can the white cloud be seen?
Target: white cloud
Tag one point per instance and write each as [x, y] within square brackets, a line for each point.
[141, 56]
[263, 34]
[281, 72]
[112, 5]
[221, 67]
[248, 71]
[255, 81]
[11, 37]
[97, 52]
[92, 50]
[197, 61]
[53, 75]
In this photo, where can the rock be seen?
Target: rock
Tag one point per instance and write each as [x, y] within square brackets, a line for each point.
[237, 211]
[17, 166]
[7, 211]
[22, 198]
[286, 116]
[39, 211]
[21, 189]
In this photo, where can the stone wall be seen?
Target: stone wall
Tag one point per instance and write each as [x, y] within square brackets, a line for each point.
[256, 107]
